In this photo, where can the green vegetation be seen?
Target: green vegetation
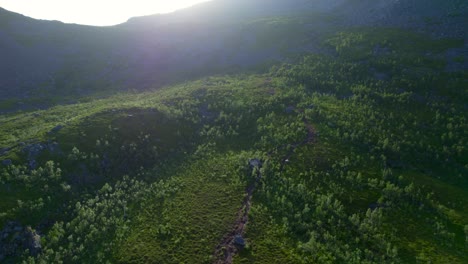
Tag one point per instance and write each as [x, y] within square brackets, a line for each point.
[364, 161]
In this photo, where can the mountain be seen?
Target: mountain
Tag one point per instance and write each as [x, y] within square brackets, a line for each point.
[240, 131]
[45, 62]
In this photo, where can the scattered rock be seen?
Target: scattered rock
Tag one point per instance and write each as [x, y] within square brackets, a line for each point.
[53, 147]
[32, 241]
[10, 239]
[255, 163]
[56, 129]
[14, 239]
[4, 151]
[33, 151]
[239, 241]
[32, 164]
[6, 162]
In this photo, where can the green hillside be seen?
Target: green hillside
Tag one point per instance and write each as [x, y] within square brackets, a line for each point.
[354, 155]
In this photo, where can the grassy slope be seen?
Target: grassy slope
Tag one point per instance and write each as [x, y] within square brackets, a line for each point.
[188, 225]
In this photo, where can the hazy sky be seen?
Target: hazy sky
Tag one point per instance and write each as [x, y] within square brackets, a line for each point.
[93, 12]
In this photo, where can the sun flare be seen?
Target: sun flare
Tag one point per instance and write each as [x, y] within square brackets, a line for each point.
[91, 12]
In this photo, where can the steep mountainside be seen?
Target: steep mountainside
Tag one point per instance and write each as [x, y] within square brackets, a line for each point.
[45, 63]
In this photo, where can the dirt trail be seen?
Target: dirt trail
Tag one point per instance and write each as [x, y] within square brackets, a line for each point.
[228, 247]
[311, 135]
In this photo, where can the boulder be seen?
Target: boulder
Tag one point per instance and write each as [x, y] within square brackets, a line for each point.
[255, 163]
[32, 164]
[32, 241]
[54, 147]
[239, 241]
[55, 129]
[4, 151]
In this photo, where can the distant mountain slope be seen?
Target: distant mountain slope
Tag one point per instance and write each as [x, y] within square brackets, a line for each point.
[437, 17]
[45, 62]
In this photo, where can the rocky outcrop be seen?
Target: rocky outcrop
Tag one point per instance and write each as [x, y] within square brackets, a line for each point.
[15, 239]
[6, 162]
[55, 129]
[33, 151]
[32, 241]
[4, 151]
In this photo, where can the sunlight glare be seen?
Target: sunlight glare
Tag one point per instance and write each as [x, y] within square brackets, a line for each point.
[92, 12]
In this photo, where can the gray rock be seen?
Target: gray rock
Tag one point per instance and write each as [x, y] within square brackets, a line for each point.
[32, 241]
[11, 239]
[239, 241]
[54, 147]
[255, 163]
[7, 162]
[4, 151]
[34, 150]
[55, 129]
[32, 164]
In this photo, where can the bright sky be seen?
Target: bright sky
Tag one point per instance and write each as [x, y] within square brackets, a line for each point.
[93, 12]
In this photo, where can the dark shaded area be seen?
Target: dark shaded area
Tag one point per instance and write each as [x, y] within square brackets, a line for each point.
[47, 62]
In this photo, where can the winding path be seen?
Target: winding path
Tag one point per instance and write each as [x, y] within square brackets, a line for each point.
[228, 248]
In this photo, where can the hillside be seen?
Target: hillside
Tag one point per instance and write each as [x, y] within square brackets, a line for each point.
[45, 63]
[285, 132]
